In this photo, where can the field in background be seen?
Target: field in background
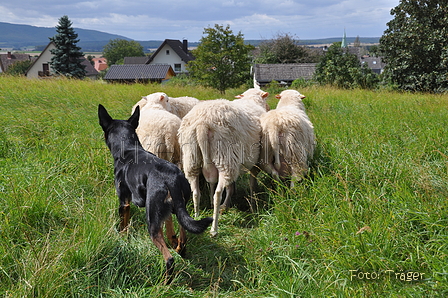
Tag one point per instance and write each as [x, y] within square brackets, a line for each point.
[370, 221]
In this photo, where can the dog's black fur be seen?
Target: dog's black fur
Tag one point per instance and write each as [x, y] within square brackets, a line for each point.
[148, 181]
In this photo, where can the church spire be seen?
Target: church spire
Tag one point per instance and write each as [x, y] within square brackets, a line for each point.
[344, 41]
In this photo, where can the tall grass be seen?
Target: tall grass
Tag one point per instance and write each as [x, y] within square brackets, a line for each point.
[375, 204]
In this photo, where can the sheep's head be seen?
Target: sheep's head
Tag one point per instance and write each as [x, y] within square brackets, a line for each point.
[253, 92]
[291, 94]
[290, 97]
[158, 98]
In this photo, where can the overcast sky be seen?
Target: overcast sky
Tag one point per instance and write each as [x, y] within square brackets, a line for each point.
[186, 19]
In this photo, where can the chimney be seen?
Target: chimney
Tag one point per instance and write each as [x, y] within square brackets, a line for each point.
[185, 45]
[9, 55]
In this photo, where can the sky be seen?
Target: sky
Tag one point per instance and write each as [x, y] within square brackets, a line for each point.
[187, 19]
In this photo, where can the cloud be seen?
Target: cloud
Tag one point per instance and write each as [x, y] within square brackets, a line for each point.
[179, 19]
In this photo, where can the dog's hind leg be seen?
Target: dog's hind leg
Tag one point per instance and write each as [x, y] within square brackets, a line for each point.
[159, 242]
[170, 233]
[177, 243]
[125, 213]
[182, 241]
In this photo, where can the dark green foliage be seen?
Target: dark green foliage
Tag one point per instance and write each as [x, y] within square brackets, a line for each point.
[284, 49]
[67, 55]
[415, 46]
[115, 50]
[222, 59]
[19, 67]
[340, 68]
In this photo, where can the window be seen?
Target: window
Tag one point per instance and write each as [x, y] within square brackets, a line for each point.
[177, 67]
[167, 52]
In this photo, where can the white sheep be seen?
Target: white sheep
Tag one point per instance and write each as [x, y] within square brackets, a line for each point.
[158, 128]
[221, 139]
[288, 139]
[179, 106]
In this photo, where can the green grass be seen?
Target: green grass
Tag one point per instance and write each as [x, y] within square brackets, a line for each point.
[375, 203]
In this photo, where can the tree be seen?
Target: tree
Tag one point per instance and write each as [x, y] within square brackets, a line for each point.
[340, 68]
[357, 42]
[222, 59]
[19, 68]
[67, 56]
[283, 49]
[116, 49]
[415, 46]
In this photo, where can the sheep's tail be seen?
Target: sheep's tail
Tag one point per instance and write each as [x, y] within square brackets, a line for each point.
[185, 220]
[202, 135]
[275, 144]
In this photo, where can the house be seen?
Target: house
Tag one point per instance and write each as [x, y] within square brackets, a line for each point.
[143, 73]
[170, 58]
[283, 73]
[174, 53]
[91, 72]
[100, 64]
[8, 59]
[376, 64]
[41, 66]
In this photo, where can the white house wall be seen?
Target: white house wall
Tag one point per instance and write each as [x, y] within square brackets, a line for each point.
[171, 59]
[44, 58]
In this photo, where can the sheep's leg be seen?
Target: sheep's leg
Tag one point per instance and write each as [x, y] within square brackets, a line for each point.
[217, 199]
[196, 194]
[212, 187]
[230, 190]
[277, 163]
[252, 186]
[211, 175]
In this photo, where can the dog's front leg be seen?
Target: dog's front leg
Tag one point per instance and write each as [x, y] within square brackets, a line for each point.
[125, 213]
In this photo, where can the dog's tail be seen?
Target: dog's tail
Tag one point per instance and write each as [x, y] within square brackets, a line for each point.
[185, 220]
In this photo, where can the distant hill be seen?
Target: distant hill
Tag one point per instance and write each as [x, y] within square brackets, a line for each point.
[23, 36]
[20, 37]
[326, 41]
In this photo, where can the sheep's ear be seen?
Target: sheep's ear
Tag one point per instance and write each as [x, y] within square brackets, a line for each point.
[161, 97]
[134, 118]
[302, 96]
[278, 96]
[104, 118]
[264, 94]
[239, 96]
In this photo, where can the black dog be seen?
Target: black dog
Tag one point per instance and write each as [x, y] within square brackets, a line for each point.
[151, 182]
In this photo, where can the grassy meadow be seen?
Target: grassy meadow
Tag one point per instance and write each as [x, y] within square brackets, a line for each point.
[370, 221]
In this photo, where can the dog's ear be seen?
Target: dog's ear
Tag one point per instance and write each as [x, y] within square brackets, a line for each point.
[104, 117]
[134, 118]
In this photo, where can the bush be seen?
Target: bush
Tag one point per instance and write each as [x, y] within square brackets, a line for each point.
[341, 69]
[301, 83]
